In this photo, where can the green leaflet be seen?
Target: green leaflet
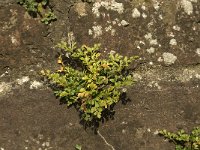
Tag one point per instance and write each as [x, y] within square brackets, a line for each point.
[182, 140]
[39, 7]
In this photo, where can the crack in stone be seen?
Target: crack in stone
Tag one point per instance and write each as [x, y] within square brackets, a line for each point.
[108, 144]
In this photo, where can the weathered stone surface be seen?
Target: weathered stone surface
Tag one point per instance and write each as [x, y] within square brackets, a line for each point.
[7, 2]
[23, 43]
[165, 34]
[167, 27]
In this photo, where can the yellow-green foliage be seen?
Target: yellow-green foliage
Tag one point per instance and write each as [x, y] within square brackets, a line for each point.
[39, 7]
[96, 86]
[184, 141]
[33, 6]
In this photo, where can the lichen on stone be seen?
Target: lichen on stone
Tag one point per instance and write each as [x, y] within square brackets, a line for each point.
[22, 80]
[97, 31]
[35, 85]
[124, 23]
[108, 5]
[4, 88]
[151, 50]
[169, 58]
[173, 42]
[187, 6]
[136, 13]
[198, 51]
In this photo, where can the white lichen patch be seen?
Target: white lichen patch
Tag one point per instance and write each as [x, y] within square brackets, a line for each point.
[151, 50]
[188, 74]
[144, 15]
[156, 4]
[154, 84]
[14, 40]
[112, 52]
[177, 28]
[151, 63]
[108, 28]
[45, 144]
[143, 7]
[35, 85]
[173, 42]
[114, 22]
[160, 59]
[136, 13]
[187, 6]
[198, 51]
[90, 32]
[96, 31]
[142, 42]
[22, 80]
[12, 21]
[169, 58]
[113, 31]
[124, 23]
[148, 36]
[156, 132]
[170, 34]
[137, 76]
[197, 76]
[148, 130]
[152, 41]
[108, 5]
[160, 16]
[5, 88]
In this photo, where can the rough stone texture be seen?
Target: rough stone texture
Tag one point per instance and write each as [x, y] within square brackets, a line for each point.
[24, 46]
[166, 37]
[131, 39]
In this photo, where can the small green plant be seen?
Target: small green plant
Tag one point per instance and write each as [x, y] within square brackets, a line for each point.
[33, 6]
[78, 147]
[90, 83]
[38, 7]
[48, 17]
[182, 140]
